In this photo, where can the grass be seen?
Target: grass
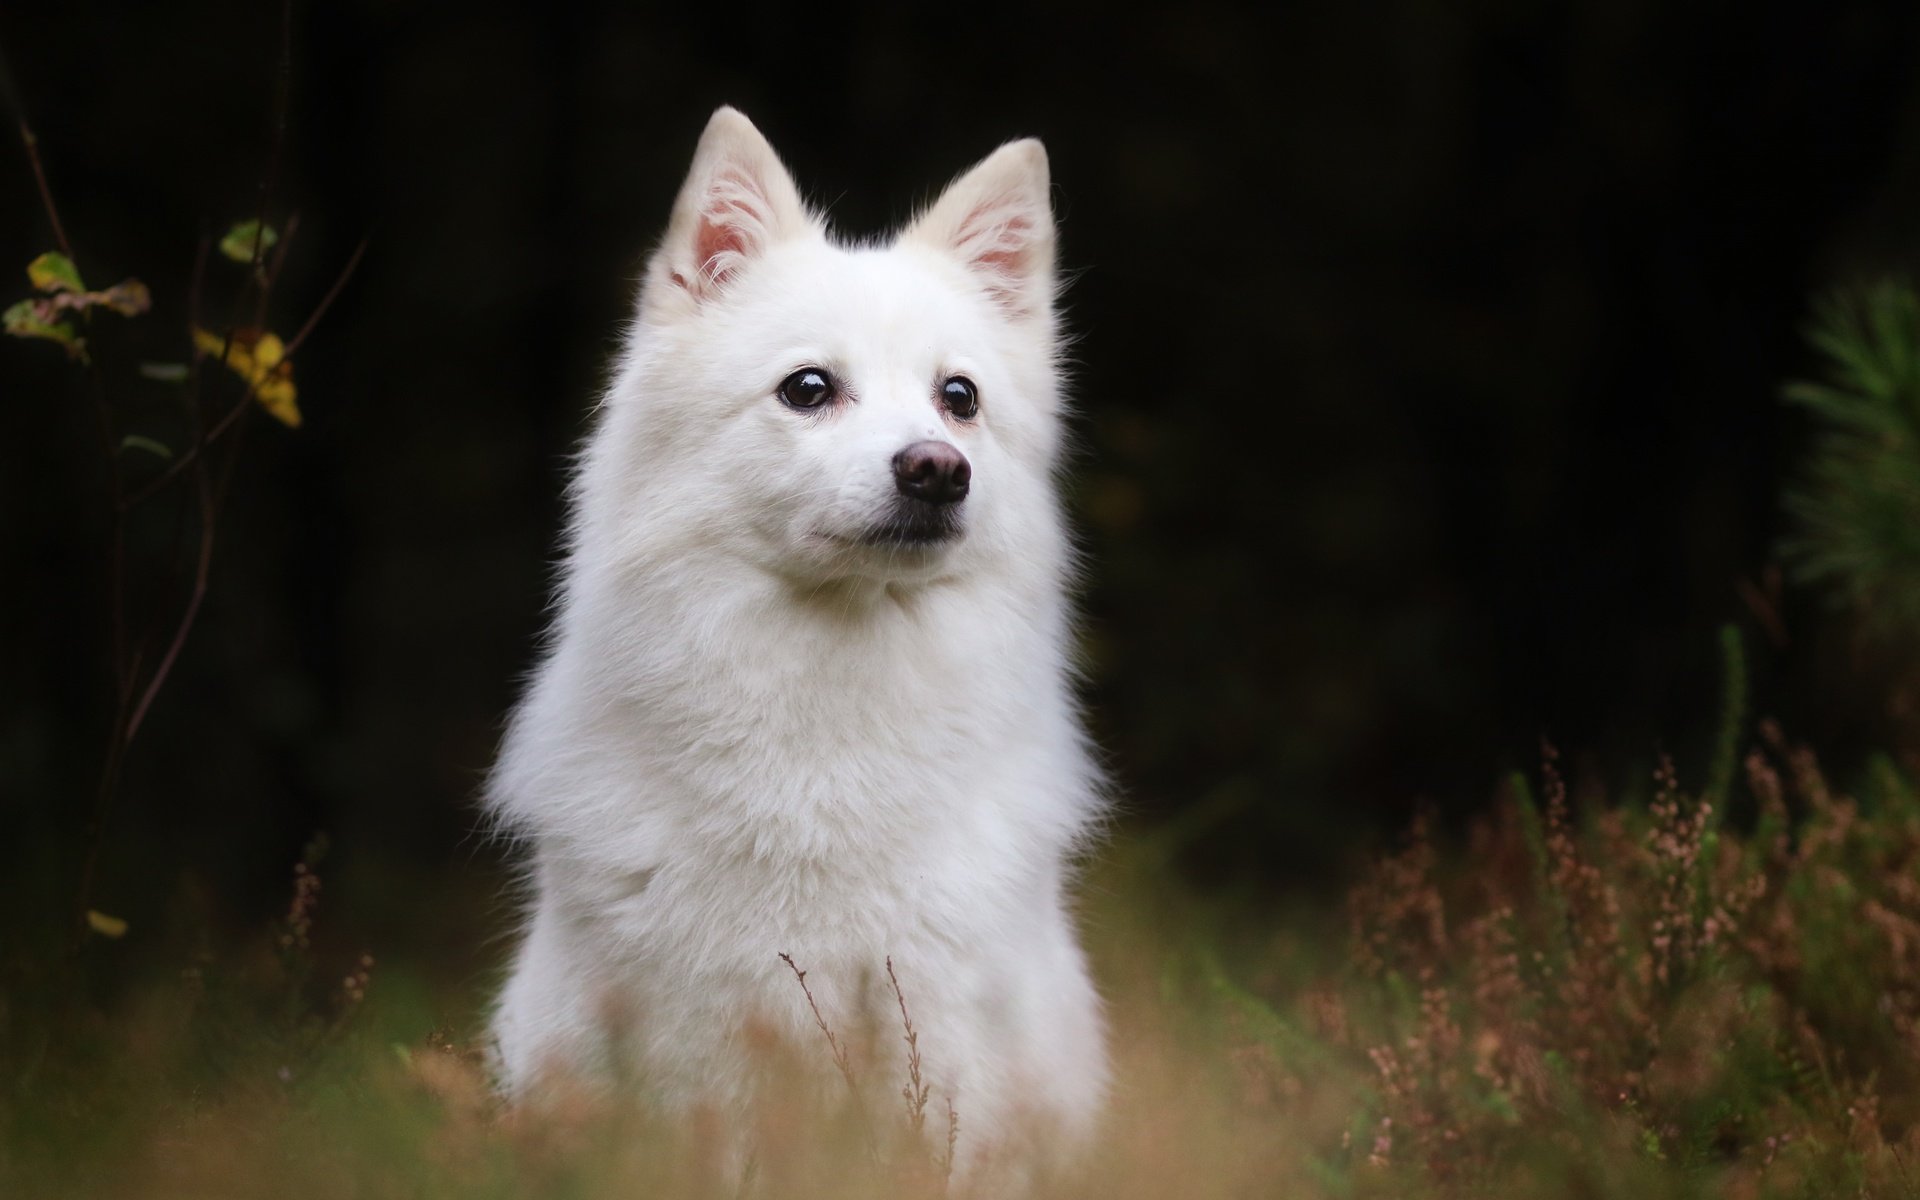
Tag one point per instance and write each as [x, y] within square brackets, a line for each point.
[1577, 997]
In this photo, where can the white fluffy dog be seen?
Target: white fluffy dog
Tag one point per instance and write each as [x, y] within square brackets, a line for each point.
[808, 689]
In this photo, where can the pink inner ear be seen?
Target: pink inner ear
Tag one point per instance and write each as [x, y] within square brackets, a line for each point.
[719, 245]
[996, 240]
[1003, 250]
[732, 226]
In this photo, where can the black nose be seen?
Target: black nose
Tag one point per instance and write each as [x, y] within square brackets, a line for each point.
[932, 471]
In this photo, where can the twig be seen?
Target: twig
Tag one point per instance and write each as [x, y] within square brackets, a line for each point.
[210, 499]
[204, 489]
[327, 300]
[190, 404]
[953, 1139]
[839, 1052]
[915, 1092]
[32, 144]
[287, 230]
[204, 560]
[192, 452]
[282, 86]
[840, 1060]
[256, 276]
[204, 483]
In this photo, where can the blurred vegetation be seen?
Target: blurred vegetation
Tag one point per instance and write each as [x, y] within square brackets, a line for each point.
[1626, 998]
[1498, 341]
[168, 448]
[1858, 510]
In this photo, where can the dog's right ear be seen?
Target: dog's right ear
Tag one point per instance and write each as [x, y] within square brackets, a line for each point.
[737, 201]
[997, 220]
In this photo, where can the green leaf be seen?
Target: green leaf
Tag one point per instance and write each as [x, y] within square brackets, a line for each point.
[134, 441]
[164, 372]
[241, 240]
[28, 319]
[55, 272]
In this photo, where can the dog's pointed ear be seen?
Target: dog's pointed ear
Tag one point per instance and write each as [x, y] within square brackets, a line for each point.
[737, 201]
[997, 219]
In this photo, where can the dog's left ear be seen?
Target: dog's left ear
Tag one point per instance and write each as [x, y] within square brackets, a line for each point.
[997, 219]
[737, 201]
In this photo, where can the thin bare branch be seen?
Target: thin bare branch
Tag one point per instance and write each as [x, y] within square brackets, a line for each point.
[326, 301]
[840, 1058]
[273, 269]
[915, 1092]
[953, 1140]
[32, 144]
[192, 453]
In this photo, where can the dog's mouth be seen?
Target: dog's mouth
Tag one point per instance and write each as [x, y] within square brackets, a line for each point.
[911, 525]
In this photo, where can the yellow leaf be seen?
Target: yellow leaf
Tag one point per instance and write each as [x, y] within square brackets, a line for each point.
[208, 343]
[106, 926]
[278, 397]
[261, 360]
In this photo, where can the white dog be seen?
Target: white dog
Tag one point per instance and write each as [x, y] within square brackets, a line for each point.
[809, 686]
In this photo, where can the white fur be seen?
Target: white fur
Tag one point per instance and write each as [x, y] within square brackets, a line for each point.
[748, 738]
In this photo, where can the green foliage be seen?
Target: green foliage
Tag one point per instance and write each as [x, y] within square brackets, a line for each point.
[164, 372]
[246, 240]
[28, 319]
[64, 296]
[55, 272]
[1857, 511]
[135, 441]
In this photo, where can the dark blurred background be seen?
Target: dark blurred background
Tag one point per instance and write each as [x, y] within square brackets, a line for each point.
[1428, 366]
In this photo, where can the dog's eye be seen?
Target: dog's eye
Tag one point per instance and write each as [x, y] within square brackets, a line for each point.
[807, 388]
[960, 397]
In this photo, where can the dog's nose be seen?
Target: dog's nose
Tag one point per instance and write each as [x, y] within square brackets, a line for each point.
[932, 471]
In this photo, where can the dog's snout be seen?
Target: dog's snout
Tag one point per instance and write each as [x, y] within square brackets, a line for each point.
[932, 471]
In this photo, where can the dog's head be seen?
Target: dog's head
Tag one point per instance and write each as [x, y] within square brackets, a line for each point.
[888, 411]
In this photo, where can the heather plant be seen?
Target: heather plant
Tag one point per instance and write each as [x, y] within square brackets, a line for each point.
[1644, 988]
[1576, 996]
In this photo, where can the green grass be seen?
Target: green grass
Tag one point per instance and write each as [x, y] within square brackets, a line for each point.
[1576, 998]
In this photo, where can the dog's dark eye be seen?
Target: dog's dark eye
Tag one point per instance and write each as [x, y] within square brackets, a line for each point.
[960, 397]
[808, 388]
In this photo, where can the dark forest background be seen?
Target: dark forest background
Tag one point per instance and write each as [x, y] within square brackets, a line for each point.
[1428, 368]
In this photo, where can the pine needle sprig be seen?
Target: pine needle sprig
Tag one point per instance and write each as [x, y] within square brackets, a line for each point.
[1856, 509]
